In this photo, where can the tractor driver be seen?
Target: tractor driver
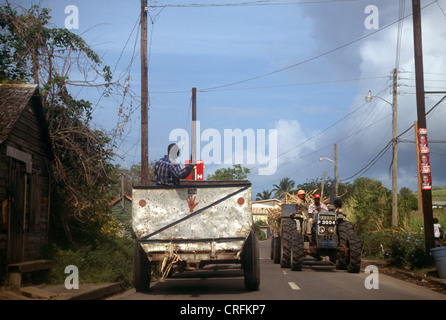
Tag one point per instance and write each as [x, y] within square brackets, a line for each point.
[314, 208]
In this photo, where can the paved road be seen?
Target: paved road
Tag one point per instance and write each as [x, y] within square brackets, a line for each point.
[317, 281]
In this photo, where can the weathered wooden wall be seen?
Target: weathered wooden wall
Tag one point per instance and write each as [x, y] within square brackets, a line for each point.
[24, 215]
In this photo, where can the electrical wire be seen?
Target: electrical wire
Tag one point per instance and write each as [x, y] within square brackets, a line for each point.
[243, 4]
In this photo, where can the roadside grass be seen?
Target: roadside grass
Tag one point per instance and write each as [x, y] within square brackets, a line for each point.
[106, 259]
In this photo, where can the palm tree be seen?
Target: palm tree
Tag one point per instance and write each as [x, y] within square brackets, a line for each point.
[265, 195]
[285, 185]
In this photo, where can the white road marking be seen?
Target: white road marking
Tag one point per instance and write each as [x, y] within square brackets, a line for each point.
[294, 286]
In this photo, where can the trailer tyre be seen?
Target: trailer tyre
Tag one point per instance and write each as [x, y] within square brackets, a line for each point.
[351, 261]
[141, 268]
[250, 262]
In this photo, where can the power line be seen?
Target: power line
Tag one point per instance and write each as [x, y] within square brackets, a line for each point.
[244, 4]
[383, 150]
[377, 157]
[316, 135]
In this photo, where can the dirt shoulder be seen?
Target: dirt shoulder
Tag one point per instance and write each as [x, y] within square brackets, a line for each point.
[424, 277]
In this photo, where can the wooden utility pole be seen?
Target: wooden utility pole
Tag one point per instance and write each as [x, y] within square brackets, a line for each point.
[336, 168]
[417, 148]
[194, 125]
[395, 150]
[323, 186]
[194, 129]
[421, 114]
[144, 98]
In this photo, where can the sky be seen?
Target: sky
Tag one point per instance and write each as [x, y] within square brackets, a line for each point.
[292, 73]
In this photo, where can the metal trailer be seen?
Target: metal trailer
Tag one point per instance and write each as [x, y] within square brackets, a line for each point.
[194, 224]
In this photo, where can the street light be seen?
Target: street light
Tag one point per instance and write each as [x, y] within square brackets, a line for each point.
[369, 98]
[322, 158]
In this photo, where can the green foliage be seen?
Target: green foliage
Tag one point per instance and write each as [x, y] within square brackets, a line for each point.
[406, 248]
[369, 205]
[265, 195]
[32, 49]
[285, 185]
[397, 248]
[407, 204]
[258, 232]
[237, 172]
[106, 259]
[27, 38]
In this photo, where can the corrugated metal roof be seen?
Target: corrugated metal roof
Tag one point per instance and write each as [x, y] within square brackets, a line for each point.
[13, 99]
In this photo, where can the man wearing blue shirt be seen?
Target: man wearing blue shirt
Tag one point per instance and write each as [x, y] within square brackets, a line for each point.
[168, 171]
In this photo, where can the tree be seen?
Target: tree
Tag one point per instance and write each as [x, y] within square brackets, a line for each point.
[369, 205]
[407, 204]
[131, 177]
[285, 186]
[265, 195]
[33, 50]
[237, 172]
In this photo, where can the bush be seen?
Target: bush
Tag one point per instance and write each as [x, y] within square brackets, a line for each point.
[258, 232]
[396, 252]
[406, 248]
[372, 243]
[108, 259]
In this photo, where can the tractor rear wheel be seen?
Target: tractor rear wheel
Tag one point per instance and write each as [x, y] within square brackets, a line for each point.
[297, 250]
[350, 259]
[286, 242]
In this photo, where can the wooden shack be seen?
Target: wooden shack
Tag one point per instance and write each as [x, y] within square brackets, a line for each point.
[25, 157]
[121, 210]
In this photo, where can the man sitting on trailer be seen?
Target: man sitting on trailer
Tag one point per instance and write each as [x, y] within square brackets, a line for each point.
[168, 171]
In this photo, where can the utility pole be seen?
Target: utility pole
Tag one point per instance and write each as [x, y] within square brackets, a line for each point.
[421, 114]
[417, 148]
[122, 192]
[395, 150]
[194, 130]
[323, 186]
[336, 168]
[144, 98]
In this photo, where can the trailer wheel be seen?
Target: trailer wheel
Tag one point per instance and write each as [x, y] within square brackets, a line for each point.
[141, 269]
[351, 260]
[297, 250]
[286, 243]
[250, 262]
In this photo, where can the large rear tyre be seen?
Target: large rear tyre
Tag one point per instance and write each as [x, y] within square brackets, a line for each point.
[297, 250]
[286, 243]
[141, 269]
[351, 259]
[250, 262]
